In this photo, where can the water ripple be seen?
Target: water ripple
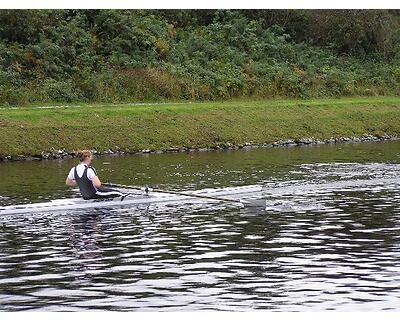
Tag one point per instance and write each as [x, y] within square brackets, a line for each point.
[329, 240]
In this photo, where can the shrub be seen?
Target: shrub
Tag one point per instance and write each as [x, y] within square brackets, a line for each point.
[137, 55]
[59, 91]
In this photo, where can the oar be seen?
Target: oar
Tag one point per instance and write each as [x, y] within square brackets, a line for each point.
[246, 203]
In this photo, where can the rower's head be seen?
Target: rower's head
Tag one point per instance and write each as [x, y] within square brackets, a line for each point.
[85, 156]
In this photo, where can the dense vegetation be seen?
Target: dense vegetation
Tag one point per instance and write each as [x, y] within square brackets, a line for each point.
[138, 55]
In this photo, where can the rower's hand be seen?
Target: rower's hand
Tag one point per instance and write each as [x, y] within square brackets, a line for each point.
[70, 183]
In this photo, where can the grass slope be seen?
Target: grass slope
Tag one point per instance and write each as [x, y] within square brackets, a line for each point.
[29, 131]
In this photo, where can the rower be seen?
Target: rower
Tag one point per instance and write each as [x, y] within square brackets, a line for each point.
[85, 177]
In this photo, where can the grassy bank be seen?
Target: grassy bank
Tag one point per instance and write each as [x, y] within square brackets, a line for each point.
[30, 131]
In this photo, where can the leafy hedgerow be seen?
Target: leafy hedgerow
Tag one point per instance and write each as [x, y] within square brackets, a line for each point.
[125, 55]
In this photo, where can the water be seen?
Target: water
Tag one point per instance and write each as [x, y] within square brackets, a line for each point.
[329, 239]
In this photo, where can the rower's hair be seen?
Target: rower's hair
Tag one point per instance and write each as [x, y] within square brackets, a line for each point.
[84, 154]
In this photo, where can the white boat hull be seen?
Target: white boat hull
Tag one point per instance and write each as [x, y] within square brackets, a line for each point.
[134, 200]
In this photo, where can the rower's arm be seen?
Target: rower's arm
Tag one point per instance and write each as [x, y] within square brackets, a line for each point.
[96, 181]
[70, 183]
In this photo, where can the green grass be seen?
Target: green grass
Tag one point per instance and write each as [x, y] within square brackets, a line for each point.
[29, 130]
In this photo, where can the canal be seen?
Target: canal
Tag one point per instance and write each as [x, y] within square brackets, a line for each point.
[329, 238]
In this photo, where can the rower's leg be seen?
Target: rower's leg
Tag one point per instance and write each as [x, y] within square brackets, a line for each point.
[107, 193]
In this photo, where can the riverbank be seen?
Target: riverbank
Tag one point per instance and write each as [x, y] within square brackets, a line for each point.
[55, 132]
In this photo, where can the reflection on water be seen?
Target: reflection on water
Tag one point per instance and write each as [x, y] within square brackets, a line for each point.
[84, 234]
[329, 241]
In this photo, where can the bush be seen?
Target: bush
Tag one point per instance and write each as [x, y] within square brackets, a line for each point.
[60, 91]
[125, 55]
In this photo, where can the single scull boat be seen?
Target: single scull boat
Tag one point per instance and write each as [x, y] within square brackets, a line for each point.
[151, 197]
